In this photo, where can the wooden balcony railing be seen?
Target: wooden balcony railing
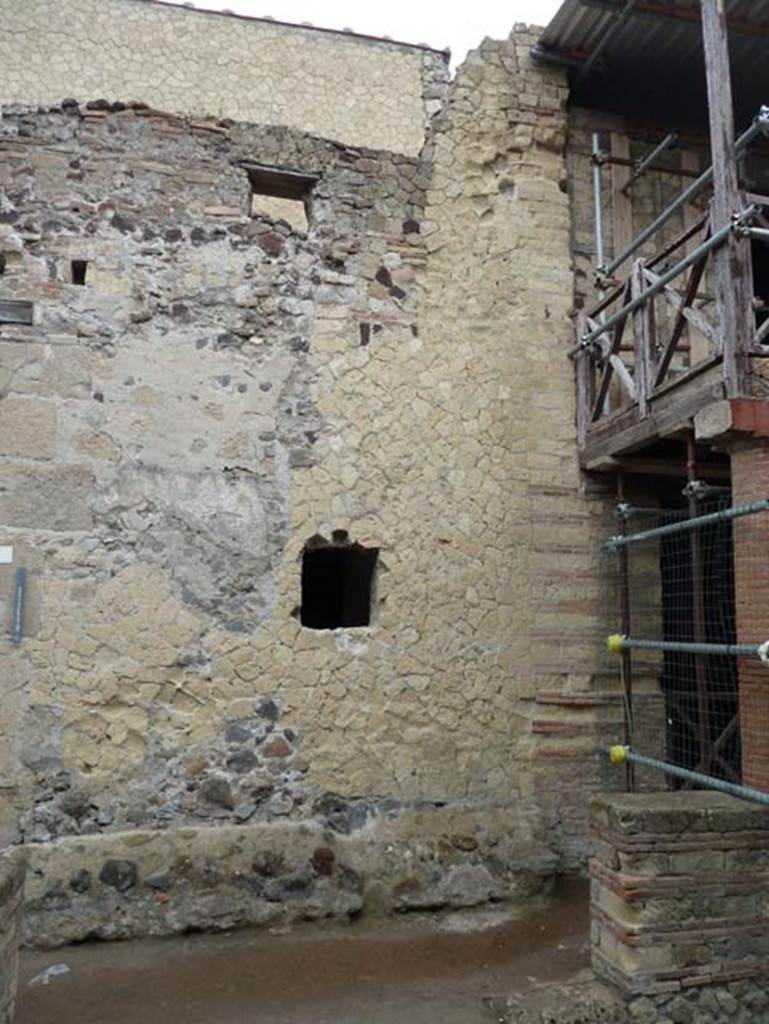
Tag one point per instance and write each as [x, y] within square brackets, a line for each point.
[662, 326]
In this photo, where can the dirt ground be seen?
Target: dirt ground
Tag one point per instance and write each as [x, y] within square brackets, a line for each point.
[459, 968]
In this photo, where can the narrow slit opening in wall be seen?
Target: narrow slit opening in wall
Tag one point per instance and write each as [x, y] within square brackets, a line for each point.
[337, 582]
[3, 263]
[79, 270]
[281, 194]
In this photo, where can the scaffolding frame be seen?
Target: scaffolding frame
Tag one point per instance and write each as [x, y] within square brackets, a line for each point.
[709, 749]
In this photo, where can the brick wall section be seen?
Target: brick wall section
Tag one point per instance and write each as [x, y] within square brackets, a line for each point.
[12, 869]
[750, 482]
[679, 886]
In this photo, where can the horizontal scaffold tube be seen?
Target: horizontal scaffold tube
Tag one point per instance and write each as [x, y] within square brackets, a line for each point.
[620, 755]
[618, 643]
[640, 300]
[749, 509]
[758, 127]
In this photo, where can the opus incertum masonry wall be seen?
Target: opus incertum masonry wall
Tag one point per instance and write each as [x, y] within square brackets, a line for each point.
[206, 392]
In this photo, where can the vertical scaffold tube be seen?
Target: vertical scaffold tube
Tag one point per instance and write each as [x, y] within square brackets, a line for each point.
[698, 616]
[624, 615]
[598, 201]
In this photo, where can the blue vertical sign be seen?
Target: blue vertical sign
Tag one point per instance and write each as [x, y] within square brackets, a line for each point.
[18, 606]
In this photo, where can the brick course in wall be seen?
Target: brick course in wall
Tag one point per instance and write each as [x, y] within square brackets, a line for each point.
[679, 886]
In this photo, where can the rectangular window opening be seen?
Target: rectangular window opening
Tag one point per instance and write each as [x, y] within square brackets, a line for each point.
[281, 194]
[79, 269]
[337, 583]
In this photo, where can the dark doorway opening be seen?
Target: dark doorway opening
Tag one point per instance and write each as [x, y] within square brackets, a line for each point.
[79, 271]
[337, 582]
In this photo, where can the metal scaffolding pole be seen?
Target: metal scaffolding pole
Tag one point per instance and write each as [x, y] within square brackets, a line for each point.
[598, 200]
[621, 755]
[749, 509]
[760, 125]
[617, 644]
[698, 612]
[640, 300]
[646, 162]
[624, 615]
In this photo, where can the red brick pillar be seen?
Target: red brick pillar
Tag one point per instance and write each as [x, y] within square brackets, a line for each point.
[750, 482]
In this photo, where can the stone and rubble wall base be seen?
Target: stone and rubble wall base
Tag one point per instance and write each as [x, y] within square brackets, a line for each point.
[680, 905]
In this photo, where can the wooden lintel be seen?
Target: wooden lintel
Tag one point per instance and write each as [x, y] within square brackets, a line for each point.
[16, 311]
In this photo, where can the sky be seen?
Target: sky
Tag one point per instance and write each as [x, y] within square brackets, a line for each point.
[458, 26]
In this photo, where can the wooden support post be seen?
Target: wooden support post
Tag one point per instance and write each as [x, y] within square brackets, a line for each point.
[621, 204]
[732, 260]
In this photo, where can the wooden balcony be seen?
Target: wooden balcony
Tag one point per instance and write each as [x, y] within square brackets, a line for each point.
[655, 351]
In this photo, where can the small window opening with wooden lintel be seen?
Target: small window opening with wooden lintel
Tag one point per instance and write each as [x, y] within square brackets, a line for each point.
[281, 194]
[337, 582]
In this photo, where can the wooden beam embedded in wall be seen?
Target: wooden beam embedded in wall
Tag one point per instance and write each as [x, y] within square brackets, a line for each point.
[16, 311]
[731, 260]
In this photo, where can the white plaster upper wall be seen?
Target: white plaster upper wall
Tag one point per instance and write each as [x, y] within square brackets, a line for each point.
[358, 91]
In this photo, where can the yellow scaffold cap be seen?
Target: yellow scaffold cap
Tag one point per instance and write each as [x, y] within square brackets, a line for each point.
[618, 754]
[616, 643]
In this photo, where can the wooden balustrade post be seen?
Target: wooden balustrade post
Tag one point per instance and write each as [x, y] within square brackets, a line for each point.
[731, 260]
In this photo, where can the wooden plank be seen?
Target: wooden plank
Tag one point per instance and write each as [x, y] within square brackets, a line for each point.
[734, 286]
[16, 311]
[671, 414]
[624, 377]
[679, 241]
[682, 303]
[603, 387]
[699, 320]
[621, 204]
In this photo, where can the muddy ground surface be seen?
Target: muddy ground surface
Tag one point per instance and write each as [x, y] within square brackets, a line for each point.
[456, 968]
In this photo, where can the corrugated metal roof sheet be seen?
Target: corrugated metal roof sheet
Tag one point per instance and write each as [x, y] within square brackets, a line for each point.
[653, 57]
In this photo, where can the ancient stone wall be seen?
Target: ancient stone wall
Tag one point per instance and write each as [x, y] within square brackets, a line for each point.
[358, 90]
[221, 390]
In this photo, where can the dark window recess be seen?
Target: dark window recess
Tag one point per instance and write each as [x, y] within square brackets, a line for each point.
[3, 263]
[337, 582]
[79, 270]
[292, 188]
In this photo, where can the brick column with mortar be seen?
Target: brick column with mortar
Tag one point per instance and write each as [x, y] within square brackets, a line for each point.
[680, 904]
[750, 482]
